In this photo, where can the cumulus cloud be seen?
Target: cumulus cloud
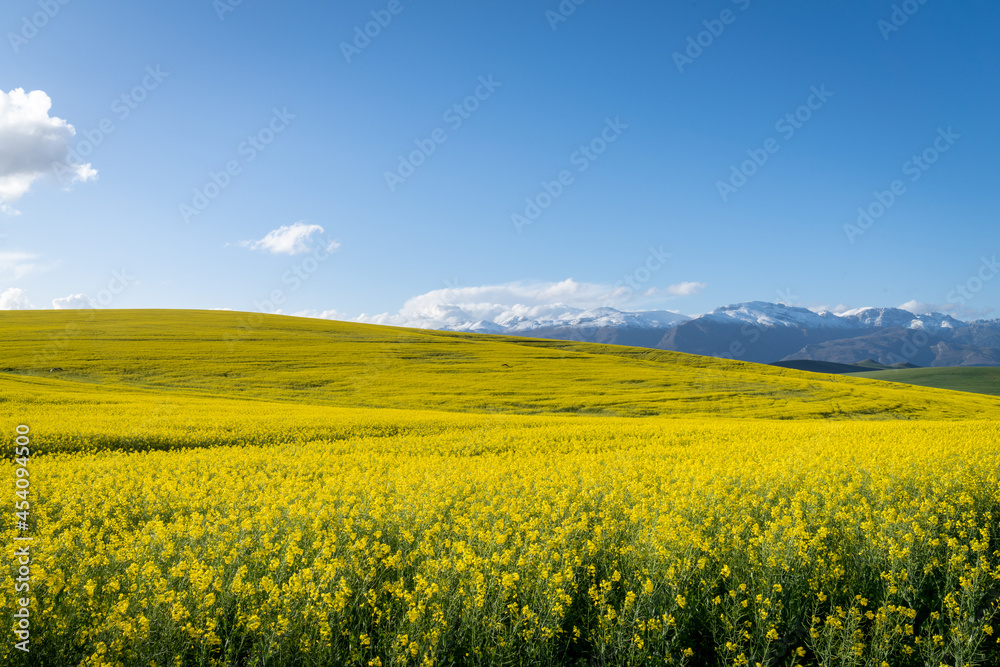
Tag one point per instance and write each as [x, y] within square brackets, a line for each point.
[33, 145]
[505, 305]
[73, 301]
[459, 306]
[686, 289]
[294, 239]
[14, 298]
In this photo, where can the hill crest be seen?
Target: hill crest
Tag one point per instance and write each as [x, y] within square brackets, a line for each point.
[279, 358]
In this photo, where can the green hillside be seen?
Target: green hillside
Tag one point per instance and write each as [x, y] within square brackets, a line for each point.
[317, 362]
[828, 367]
[980, 380]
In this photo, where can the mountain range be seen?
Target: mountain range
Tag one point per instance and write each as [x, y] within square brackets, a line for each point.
[765, 332]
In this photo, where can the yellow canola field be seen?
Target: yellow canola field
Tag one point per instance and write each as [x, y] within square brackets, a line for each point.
[493, 540]
[211, 488]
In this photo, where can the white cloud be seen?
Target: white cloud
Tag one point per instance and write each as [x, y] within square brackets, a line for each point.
[322, 314]
[294, 239]
[686, 289]
[956, 311]
[72, 301]
[504, 304]
[458, 306]
[14, 299]
[922, 308]
[33, 145]
[16, 264]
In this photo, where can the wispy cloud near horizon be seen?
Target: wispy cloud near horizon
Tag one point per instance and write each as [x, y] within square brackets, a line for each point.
[503, 304]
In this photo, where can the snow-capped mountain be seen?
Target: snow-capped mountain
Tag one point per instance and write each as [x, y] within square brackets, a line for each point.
[596, 325]
[596, 318]
[762, 313]
[763, 332]
[903, 319]
[767, 332]
[777, 314]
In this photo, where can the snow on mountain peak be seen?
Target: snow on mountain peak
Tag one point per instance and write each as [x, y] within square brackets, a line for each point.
[776, 315]
[523, 319]
[897, 317]
[566, 316]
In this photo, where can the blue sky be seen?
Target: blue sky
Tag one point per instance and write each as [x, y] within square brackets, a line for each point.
[643, 125]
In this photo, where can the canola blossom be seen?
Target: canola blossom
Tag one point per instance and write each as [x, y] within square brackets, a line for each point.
[207, 489]
[553, 540]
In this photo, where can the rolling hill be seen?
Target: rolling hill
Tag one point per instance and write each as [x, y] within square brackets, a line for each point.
[821, 366]
[106, 355]
[980, 380]
[273, 478]
[755, 331]
[865, 366]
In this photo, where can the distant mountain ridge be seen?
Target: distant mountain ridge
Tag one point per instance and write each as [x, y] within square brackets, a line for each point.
[575, 317]
[764, 332]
